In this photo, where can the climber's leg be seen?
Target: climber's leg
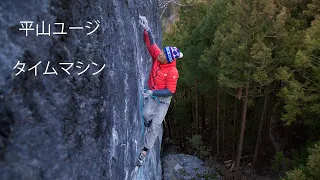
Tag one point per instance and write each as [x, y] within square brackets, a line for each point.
[155, 112]
[156, 125]
[149, 110]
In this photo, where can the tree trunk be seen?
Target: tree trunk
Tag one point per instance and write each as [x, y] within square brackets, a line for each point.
[197, 108]
[234, 129]
[218, 122]
[212, 123]
[203, 112]
[243, 124]
[256, 149]
[272, 138]
[272, 104]
[180, 136]
[193, 129]
[223, 122]
[170, 129]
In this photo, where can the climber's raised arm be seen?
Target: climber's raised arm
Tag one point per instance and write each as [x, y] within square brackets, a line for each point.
[153, 48]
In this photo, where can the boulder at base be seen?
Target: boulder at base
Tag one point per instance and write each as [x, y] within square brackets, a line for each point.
[181, 166]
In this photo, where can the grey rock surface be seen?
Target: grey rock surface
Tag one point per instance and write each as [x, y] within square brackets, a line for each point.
[75, 126]
[186, 167]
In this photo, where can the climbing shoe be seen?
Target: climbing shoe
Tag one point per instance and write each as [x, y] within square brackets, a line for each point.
[147, 123]
[141, 159]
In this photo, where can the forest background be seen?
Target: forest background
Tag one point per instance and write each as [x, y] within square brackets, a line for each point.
[249, 86]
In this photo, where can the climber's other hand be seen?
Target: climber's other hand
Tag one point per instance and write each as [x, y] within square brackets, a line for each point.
[147, 93]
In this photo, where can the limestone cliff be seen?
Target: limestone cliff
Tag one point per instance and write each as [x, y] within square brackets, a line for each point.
[75, 126]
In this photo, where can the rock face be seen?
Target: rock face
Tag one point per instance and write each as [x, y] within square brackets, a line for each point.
[75, 126]
[181, 166]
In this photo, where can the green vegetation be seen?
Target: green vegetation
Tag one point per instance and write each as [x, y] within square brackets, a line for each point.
[310, 170]
[250, 78]
[198, 147]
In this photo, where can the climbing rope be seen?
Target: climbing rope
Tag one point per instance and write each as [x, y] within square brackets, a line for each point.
[141, 99]
[142, 130]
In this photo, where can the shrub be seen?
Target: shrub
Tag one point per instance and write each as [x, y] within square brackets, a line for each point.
[197, 146]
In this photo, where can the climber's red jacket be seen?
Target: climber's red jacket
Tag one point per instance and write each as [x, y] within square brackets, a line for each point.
[161, 75]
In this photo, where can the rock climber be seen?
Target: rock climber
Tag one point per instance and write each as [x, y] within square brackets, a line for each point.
[162, 85]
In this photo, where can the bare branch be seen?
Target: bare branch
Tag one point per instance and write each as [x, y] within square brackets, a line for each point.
[164, 5]
[306, 77]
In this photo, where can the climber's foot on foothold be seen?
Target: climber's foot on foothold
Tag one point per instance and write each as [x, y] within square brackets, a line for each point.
[147, 123]
[141, 158]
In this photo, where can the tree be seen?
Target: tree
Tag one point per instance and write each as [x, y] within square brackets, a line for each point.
[249, 49]
[243, 50]
[301, 93]
[309, 171]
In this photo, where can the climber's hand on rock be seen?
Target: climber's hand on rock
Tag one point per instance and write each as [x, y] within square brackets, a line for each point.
[147, 93]
[144, 22]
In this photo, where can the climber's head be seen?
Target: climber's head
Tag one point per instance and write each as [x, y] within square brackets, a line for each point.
[162, 58]
[170, 54]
